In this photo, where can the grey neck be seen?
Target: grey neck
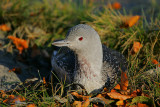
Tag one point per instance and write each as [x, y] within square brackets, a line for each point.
[90, 60]
[89, 70]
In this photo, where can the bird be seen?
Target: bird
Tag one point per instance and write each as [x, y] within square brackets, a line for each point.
[83, 59]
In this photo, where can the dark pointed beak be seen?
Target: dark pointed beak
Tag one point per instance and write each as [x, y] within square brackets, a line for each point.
[61, 43]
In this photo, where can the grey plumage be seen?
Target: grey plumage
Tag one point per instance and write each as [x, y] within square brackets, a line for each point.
[87, 61]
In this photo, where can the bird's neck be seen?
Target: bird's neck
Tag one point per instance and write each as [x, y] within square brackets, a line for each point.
[89, 70]
[90, 61]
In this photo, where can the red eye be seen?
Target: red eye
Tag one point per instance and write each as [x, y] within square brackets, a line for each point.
[81, 38]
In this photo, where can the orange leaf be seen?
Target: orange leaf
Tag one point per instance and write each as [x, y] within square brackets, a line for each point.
[80, 96]
[2, 94]
[44, 81]
[129, 21]
[124, 81]
[117, 87]
[31, 105]
[154, 61]
[113, 90]
[96, 105]
[4, 27]
[132, 21]
[116, 95]
[13, 99]
[120, 103]
[103, 98]
[20, 44]
[136, 47]
[86, 103]
[142, 105]
[105, 89]
[11, 96]
[21, 98]
[9, 99]
[138, 92]
[77, 104]
[116, 5]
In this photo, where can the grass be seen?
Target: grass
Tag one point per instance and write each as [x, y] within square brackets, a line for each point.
[54, 18]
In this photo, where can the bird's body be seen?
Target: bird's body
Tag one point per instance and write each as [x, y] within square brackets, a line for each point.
[86, 61]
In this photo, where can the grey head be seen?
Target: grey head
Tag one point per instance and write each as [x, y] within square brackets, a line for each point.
[79, 38]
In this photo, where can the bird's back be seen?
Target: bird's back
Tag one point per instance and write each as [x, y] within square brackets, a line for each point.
[113, 64]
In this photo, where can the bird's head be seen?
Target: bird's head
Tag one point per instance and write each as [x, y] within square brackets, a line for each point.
[80, 38]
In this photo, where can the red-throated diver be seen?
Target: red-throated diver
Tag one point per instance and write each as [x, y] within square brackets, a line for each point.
[86, 61]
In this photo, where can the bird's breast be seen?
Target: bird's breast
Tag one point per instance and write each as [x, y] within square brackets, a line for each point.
[86, 76]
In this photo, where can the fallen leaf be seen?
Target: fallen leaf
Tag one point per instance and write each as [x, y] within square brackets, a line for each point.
[132, 21]
[136, 47]
[154, 61]
[103, 99]
[125, 92]
[117, 87]
[142, 99]
[105, 89]
[142, 105]
[124, 81]
[98, 105]
[3, 94]
[120, 103]
[4, 27]
[44, 81]
[85, 103]
[20, 44]
[116, 5]
[31, 105]
[9, 99]
[138, 92]
[20, 98]
[113, 90]
[129, 21]
[77, 104]
[80, 96]
[116, 95]
[13, 99]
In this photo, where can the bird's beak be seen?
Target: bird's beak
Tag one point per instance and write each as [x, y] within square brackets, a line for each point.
[61, 43]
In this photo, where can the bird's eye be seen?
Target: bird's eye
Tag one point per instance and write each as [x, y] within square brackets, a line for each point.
[81, 38]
